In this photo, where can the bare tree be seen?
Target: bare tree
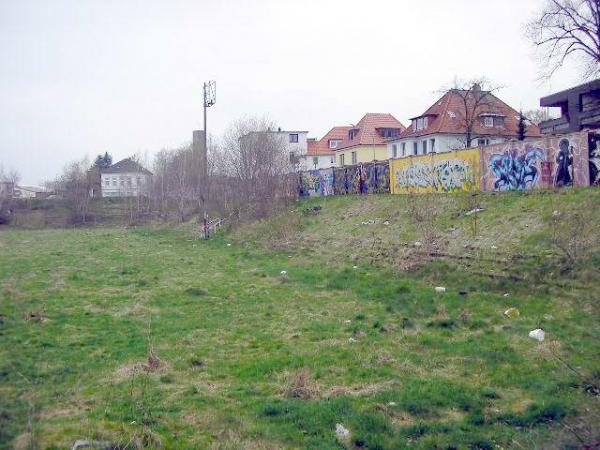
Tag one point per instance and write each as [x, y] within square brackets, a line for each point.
[258, 164]
[75, 185]
[537, 116]
[567, 29]
[474, 97]
[9, 179]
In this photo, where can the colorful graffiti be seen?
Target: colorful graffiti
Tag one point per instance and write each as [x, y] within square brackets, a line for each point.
[514, 171]
[594, 159]
[546, 162]
[443, 172]
[316, 183]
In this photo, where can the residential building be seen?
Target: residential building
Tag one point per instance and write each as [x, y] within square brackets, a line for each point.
[30, 192]
[443, 126]
[579, 107]
[321, 153]
[366, 141]
[125, 178]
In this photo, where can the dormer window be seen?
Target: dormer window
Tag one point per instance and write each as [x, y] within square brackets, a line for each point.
[420, 123]
[352, 133]
[488, 122]
[389, 132]
[334, 143]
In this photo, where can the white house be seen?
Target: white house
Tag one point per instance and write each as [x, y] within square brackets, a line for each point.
[443, 127]
[125, 178]
[321, 152]
[295, 142]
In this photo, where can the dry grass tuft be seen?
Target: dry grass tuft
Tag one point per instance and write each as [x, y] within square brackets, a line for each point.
[300, 387]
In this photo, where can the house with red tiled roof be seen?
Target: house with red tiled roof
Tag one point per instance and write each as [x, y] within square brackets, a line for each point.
[367, 140]
[321, 152]
[458, 117]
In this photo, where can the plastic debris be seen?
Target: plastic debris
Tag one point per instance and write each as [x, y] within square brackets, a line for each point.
[440, 289]
[556, 213]
[347, 321]
[351, 340]
[473, 211]
[228, 245]
[355, 267]
[494, 247]
[506, 294]
[512, 313]
[386, 222]
[342, 432]
[392, 404]
[418, 244]
[537, 334]
[283, 272]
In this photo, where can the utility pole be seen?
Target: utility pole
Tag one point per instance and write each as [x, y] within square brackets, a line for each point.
[210, 98]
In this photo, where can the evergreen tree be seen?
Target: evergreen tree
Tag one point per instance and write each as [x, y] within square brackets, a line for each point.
[521, 127]
[103, 161]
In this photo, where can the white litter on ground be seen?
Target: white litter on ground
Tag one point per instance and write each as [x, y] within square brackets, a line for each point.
[283, 272]
[342, 432]
[440, 289]
[537, 334]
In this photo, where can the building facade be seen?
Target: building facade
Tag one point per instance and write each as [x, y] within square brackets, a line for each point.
[443, 127]
[125, 178]
[321, 152]
[579, 108]
[367, 140]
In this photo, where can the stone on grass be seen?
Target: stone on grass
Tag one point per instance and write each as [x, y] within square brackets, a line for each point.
[440, 289]
[341, 432]
[511, 313]
[537, 334]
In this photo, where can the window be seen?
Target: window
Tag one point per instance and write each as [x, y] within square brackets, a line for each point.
[352, 133]
[333, 143]
[488, 122]
[389, 132]
[394, 151]
[107, 182]
[481, 142]
[114, 181]
[139, 181]
[354, 159]
[315, 161]
[415, 148]
[293, 138]
[432, 145]
[424, 147]
[404, 149]
[129, 181]
[342, 162]
[498, 121]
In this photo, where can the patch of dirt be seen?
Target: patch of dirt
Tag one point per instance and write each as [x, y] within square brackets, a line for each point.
[360, 390]
[154, 364]
[35, 316]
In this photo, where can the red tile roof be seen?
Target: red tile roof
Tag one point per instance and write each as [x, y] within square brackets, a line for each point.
[367, 130]
[321, 147]
[445, 117]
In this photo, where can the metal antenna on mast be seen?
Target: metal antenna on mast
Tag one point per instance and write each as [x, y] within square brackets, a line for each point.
[210, 98]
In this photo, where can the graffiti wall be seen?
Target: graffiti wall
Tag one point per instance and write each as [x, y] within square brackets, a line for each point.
[594, 157]
[550, 161]
[316, 183]
[439, 172]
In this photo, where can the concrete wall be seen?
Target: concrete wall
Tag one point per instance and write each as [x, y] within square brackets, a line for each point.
[454, 171]
[364, 154]
[550, 161]
[126, 184]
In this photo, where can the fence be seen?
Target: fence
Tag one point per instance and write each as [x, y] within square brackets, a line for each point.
[549, 161]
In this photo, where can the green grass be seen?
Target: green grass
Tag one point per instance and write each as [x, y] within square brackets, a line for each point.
[398, 364]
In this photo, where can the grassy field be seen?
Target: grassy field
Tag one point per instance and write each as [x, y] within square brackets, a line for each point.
[151, 338]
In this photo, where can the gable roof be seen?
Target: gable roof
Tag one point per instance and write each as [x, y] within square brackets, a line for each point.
[444, 116]
[321, 146]
[367, 127]
[126, 165]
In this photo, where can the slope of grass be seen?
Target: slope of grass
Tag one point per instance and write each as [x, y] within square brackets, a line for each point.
[353, 333]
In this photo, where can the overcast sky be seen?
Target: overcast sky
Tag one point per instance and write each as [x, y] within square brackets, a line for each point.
[82, 77]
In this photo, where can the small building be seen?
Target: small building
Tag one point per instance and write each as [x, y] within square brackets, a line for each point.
[366, 141]
[125, 178]
[30, 192]
[443, 126]
[321, 152]
[579, 108]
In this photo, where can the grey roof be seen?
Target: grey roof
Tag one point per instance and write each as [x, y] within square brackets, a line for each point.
[126, 165]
